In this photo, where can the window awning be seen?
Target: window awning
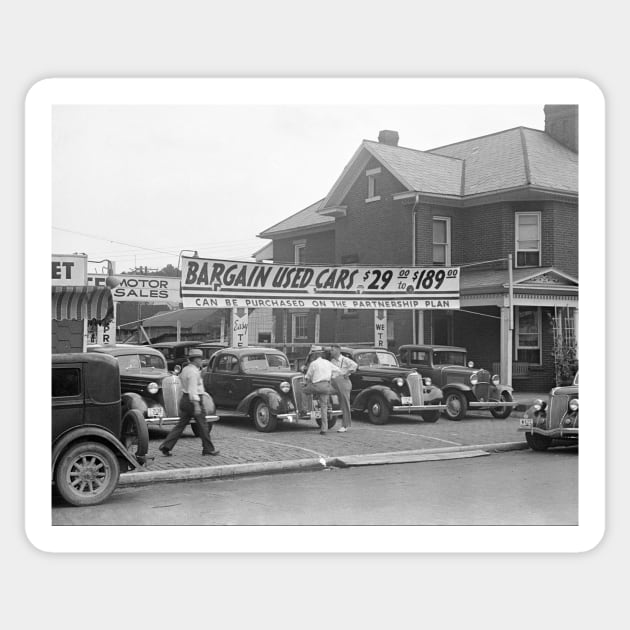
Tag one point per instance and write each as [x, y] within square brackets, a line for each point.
[84, 302]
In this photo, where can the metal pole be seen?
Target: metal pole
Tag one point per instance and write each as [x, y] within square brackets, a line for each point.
[510, 339]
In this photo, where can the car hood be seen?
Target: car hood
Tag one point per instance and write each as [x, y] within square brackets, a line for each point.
[567, 390]
[389, 372]
[277, 375]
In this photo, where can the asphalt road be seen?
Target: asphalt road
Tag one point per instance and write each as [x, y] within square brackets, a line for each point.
[513, 488]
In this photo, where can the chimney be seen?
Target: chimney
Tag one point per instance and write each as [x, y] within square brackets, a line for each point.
[561, 123]
[388, 137]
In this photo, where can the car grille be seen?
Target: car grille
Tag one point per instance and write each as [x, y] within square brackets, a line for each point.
[558, 407]
[171, 392]
[482, 388]
[302, 400]
[414, 382]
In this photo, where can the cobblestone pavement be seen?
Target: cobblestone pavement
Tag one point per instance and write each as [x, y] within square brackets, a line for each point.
[240, 443]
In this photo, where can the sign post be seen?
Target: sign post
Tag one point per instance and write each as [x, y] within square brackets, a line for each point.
[240, 336]
[380, 328]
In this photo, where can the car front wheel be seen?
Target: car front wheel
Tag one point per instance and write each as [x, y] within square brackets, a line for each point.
[502, 412]
[135, 434]
[378, 411]
[87, 474]
[456, 405]
[430, 416]
[537, 442]
[264, 419]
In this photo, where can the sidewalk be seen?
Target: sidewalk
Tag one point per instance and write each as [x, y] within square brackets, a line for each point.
[405, 438]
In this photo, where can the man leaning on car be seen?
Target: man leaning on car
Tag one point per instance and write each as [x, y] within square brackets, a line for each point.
[318, 377]
[190, 407]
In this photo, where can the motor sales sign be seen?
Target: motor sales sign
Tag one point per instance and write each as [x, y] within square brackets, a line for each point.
[234, 284]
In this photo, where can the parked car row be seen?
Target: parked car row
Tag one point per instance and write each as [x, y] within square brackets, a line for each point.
[104, 401]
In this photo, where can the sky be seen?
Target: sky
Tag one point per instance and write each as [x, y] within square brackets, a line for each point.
[138, 184]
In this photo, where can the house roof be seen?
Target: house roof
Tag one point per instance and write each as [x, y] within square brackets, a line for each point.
[419, 170]
[308, 217]
[512, 158]
[187, 317]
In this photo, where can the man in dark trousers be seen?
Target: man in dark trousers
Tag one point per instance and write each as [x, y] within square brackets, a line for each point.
[190, 407]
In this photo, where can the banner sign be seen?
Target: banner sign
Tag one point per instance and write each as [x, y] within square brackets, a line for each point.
[69, 270]
[235, 284]
[147, 289]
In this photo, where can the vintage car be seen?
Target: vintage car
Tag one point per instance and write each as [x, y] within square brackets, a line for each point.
[381, 387]
[92, 440]
[209, 348]
[464, 386]
[176, 352]
[148, 387]
[258, 383]
[553, 423]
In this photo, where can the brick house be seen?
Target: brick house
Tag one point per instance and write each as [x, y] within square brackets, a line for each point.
[470, 204]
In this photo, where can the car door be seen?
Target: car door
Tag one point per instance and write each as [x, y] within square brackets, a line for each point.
[224, 380]
[68, 405]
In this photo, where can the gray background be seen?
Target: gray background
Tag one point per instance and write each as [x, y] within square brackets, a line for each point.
[159, 39]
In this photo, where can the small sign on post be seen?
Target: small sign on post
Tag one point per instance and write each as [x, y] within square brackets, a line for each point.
[240, 337]
[380, 328]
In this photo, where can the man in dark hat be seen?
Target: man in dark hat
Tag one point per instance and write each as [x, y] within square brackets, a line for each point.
[190, 407]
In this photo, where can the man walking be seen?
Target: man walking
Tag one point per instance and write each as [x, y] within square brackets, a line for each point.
[318, 378]
[190, 407]
[341, 382]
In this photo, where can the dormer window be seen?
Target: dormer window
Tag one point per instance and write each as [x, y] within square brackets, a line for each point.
[371, 184]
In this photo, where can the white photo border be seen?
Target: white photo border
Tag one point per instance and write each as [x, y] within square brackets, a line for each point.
[338, 91]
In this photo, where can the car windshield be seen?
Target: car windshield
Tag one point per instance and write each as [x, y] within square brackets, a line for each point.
[141, 362]
[449, 357]
[375, 357]
[264, 361]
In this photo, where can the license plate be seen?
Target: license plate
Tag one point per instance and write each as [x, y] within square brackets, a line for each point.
[406, 400]
[525, 422]
[155, 412]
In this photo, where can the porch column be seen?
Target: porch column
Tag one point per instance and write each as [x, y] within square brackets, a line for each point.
[506, 346]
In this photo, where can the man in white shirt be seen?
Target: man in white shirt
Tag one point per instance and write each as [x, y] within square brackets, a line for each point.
[318, 377]
[341, 382]
[190, 407]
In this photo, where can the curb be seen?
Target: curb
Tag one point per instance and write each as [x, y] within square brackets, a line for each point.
[261, 468]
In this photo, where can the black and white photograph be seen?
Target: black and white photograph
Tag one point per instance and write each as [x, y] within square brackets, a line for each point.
[272, 310]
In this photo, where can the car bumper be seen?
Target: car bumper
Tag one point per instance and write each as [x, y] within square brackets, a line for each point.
[414, 408]
[168, 421]
[491, 404]
[294, 417]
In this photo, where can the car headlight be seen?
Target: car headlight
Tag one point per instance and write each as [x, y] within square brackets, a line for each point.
[539, 405]
[285, 387]
[474, 379]
[153, 388]
[495, 379]
[427, 381]
[399, 382]
[574, 404]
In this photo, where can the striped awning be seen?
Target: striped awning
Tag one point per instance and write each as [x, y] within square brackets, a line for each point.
[85, 302]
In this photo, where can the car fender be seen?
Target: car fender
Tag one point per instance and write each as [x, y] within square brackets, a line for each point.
[131, 400]
[390, 397]
[91, 433]
[269, 395]
[460, 387]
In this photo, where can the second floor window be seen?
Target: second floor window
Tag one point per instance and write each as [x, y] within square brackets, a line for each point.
[527, 230]
[300, 329]
[299, 251]
[441, 241]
